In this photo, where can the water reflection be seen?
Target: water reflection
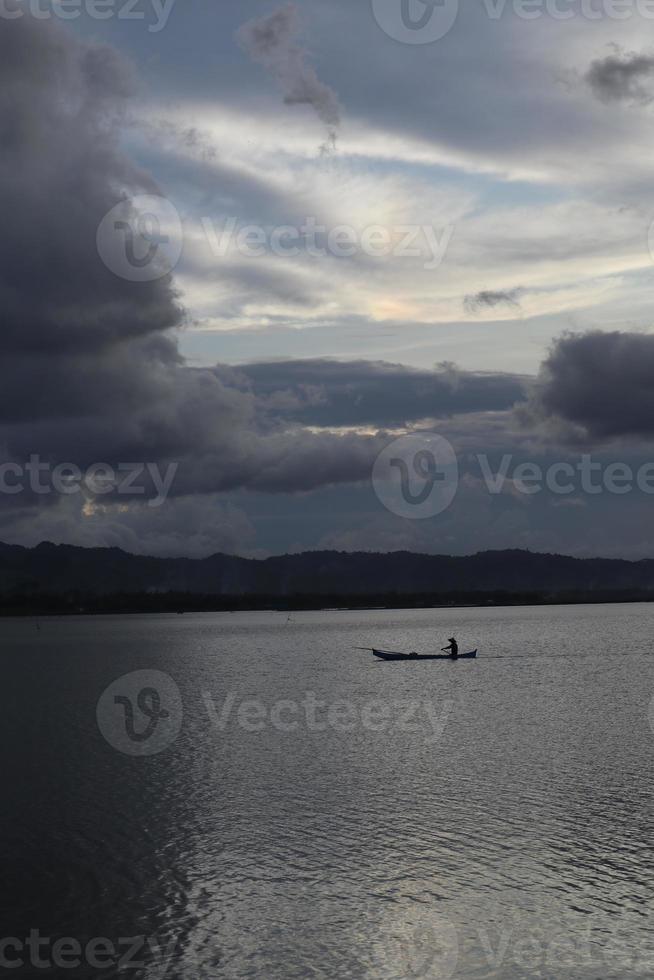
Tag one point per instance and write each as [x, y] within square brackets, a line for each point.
[515, 842]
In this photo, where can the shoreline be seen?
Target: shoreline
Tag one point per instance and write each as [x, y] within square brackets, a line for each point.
[181, 603]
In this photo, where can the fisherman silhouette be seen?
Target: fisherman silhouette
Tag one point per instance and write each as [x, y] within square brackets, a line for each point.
[453, 648]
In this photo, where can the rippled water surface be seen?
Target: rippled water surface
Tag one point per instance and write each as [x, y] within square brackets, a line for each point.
[470, 819]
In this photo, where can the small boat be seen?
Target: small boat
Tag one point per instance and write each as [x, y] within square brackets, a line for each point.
[391, 655]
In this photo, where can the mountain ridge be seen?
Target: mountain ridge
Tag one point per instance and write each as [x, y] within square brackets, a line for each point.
[59, 569]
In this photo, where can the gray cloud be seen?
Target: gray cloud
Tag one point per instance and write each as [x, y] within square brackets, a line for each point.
[321, 392]
[623, 77]
[600, 382]
[193, 526]
[267, 284]
[519, 117]
[489, 299]
[272, 42]
[89, 369]
[60, 172]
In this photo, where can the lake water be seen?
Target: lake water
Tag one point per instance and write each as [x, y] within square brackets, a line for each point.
[357, 819]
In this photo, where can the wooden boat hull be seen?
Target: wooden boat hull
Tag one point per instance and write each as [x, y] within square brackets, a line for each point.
[391, 655]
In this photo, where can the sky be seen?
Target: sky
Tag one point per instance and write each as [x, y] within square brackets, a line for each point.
[368, 275]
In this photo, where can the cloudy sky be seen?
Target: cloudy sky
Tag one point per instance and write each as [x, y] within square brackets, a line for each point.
[251, 246]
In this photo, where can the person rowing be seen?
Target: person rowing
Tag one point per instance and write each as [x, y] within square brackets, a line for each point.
[452, 648]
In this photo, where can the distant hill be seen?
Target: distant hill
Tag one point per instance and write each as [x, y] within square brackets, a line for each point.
[62, 569]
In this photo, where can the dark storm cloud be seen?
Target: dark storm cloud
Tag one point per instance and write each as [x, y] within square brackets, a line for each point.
[272, 42]
[322, 392]
[488, 299]
[60, 172]
[89, 371]
[623, 77]
[602, 382]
